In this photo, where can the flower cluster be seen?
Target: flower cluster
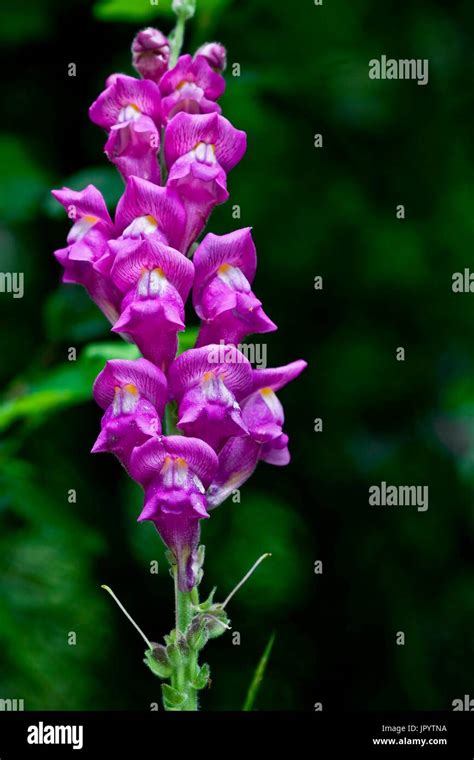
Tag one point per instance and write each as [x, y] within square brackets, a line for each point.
[174, 149]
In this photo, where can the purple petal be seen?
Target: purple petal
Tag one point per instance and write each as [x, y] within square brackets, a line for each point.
[148, 460]
[132, 146]
[210, 411]
[152, 321]
[237, 461]
[142, 198]
[276, 451]
[236, 249]
[140, 373]
[234, 325]
[181, 536]
[122, 432]
[223, 361]
[150, 53]
[125, 93]
[263, 414]
[278, 377]
[195, 71]
[215, 54]
[132, 259]
[87, 202]
[185, 131]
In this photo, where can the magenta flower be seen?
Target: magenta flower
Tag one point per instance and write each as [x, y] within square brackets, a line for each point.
[130, 110]
[146, 209]
[175, 473]
[87, 244]
[191, 86]
[215, 54]
[263, 416]
[139, 270]
[222, 297]
[133, 394]
[208, 384]
[199, 152]
[156, 281]
[150, 53]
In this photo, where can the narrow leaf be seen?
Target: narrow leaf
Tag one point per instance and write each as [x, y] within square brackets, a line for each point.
[258, 676]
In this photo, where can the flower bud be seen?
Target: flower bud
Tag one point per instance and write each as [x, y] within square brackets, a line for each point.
[172, 698]
[184, 8]
[158, 661]
[198, 635]
[201, 679]
[217, 623]
[215, 54]
[150, 53]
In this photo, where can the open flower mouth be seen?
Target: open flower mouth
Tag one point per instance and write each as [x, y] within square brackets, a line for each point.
[141, 226]
[130, 112]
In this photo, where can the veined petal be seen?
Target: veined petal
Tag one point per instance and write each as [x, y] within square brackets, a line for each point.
[148, 460]
[237, 461]
[185, 131]
[223, 361]
[142, 198]
[83, 203]
[278, 377]
[131, 260]
[150, 382]
[124, 92]
[197, 71]
[236, 249]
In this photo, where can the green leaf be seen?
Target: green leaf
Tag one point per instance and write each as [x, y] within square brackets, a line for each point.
[112, 350]
[258, 676]
[187, 339]
[131, 10]
[66, 385]
[23, 181]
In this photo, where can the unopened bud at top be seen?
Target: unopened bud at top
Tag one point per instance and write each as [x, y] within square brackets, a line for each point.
[215, 54]
[150, 53]
[184, 8]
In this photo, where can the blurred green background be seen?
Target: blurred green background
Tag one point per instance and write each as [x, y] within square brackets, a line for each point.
[387, 283]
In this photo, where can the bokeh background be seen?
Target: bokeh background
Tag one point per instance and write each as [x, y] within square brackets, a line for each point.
[326, 211]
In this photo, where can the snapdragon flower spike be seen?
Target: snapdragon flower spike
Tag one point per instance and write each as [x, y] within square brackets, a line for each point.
[175, 472]
[215, 54]
[148, 210]
[133, 394]
[263, 415]
[222, 296]
[129, 109]
[208, 383]
[87, 243]
[156, 281]
[199, 151]
[191, 86]
[150, 53]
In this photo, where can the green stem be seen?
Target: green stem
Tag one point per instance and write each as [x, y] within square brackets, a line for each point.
[177, 40]
[183, 607]
[180, 678]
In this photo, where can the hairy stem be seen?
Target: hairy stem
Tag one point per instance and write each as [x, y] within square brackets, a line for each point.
[181, 677]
